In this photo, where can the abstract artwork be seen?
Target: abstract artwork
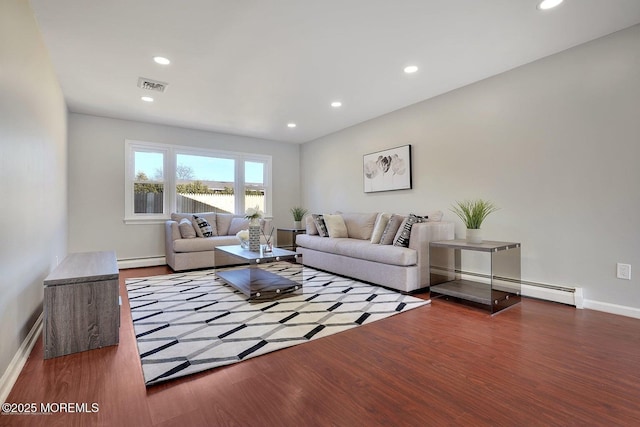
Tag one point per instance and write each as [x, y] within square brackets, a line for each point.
[387, 170]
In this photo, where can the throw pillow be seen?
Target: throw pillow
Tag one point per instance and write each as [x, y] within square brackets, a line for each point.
[389, 233]
[186, 229]
[360, 225]
[203, 228]
[238, 224]
[404, 232]
[223, 222]
[335, 225]
[311, 225]
[378, 228]
[320, 225]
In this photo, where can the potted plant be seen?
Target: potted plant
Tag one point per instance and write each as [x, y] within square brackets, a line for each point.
[473, 213]
[298, 213]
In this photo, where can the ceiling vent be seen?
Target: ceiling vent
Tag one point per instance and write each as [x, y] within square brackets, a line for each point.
[149, 84]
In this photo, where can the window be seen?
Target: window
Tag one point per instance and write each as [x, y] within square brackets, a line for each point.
[148, 182]
[162, 179]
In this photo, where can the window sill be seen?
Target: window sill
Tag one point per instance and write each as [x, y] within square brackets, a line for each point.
[145, 221]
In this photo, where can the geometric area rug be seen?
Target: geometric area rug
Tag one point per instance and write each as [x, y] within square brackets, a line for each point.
[190, 322]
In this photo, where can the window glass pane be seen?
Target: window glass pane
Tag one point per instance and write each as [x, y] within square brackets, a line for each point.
[148, 189]
[254, 190]
[254, 173]
[204, 184]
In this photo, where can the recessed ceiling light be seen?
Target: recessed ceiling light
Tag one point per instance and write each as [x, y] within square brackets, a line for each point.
[161, 60]
[548, 4]
[410, 69]
[291, 125]
[336, 104]
[147, 99]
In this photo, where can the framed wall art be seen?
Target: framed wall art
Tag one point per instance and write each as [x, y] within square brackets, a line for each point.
[387, 170]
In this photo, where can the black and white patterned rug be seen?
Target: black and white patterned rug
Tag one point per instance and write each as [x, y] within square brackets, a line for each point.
[190, 322]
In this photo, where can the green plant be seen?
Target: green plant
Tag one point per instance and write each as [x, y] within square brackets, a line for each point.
[473, 212]
[298, 213]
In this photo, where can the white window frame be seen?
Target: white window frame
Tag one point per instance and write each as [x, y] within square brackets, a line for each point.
[170, 153]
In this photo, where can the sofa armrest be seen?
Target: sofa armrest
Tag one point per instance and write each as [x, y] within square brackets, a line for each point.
[172, 232]
[423, 233]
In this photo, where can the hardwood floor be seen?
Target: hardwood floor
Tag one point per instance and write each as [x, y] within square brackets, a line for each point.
[537, 363]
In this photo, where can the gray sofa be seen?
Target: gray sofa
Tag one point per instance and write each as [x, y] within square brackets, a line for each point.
[184, 251]
[402, 268]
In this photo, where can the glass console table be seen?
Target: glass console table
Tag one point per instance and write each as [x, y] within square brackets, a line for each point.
[493, 291]
[286, 237]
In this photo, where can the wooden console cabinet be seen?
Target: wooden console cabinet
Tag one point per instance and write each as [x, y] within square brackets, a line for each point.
[81, 304]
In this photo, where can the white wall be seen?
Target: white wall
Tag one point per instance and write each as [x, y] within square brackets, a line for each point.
[33, 174]
[555, 143]
[96, 181]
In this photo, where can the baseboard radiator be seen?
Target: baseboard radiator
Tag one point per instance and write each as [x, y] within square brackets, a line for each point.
[555, 293]
[561, 294]
[141, 262]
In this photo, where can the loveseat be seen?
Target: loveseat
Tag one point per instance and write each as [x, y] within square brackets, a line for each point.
[190, 239]
[385, 249]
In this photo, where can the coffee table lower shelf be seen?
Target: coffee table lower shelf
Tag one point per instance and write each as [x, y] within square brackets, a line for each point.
[259, 284]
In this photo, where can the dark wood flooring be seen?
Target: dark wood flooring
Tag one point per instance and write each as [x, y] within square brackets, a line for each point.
[535, 364]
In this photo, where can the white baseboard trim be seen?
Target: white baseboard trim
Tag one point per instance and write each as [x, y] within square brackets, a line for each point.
[141, 262]
[621, 310]
[10, 376]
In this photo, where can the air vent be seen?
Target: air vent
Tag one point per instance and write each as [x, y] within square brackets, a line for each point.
[154, 85]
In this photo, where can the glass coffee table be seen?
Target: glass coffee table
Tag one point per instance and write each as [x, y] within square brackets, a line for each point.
[262, 279]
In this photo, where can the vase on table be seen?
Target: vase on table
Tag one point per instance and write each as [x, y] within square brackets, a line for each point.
[297, 225]
[254, 234]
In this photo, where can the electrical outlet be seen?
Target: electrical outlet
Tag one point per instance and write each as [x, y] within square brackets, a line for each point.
[623, 271]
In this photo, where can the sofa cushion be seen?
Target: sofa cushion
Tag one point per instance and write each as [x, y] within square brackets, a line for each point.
[203, 227]
[381, 223]
[236, 225]
[205, 244]
[360, 225]
[404, 232]
[320, 225]
[335, 225]
[223, 221]
[311, 225]
[186, 229]
[361, 249]
[389, 233]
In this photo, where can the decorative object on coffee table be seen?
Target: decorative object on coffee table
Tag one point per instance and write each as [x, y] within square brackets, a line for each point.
[268, 247]
[254, 215]
[243, 236]
[298, 213]
[473, 213]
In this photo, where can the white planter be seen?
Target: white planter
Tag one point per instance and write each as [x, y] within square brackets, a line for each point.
[297, 225]
[474, 235]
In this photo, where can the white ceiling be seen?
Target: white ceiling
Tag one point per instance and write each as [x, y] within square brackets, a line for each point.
[249, 67]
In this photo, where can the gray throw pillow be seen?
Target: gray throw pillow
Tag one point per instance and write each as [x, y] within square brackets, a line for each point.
[311, 225]
[186, 229]
[389, 233]
[237, 224]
